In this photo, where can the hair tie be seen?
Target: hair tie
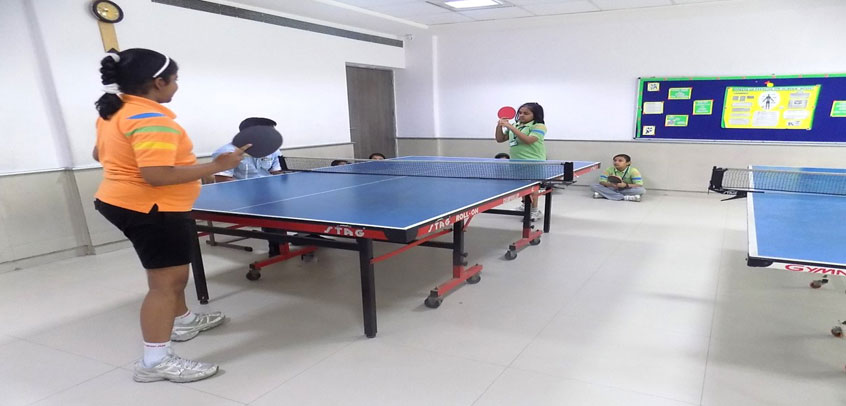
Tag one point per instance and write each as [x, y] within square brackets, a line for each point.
[115, 57]
[159, 72]
[111, 88]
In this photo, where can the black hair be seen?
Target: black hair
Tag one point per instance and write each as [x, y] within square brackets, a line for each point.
[338, 162]
[133, 72]
[255, 121]
[377, 154]
[626, 157]
[536, 109]
[502, 155]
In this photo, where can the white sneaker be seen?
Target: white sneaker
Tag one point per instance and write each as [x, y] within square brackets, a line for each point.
[536, 214]
[175, 369]
[632, 198]
[203, 322]
[596, 195]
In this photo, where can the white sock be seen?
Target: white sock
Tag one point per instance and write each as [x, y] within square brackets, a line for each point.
[154, 353]
[186, 318]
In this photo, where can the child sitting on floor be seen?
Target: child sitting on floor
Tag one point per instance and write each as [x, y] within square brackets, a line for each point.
[620, 182]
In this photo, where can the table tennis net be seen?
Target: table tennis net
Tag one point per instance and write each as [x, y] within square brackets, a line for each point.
[727, 180]
[499, 169]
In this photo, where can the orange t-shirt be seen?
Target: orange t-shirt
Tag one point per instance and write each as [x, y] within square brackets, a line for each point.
[143, 133]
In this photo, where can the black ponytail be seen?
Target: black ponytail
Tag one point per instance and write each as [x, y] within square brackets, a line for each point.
[109, 103]
[132, 72]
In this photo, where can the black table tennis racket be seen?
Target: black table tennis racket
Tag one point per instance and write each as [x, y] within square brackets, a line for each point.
[265, 140]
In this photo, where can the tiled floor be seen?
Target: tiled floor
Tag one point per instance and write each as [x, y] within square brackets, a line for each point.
[623, 303]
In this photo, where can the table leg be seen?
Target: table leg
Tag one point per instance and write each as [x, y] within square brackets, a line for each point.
[547, 215]
[530, 236]
[197, 266]
[460, 274]
[368, 286]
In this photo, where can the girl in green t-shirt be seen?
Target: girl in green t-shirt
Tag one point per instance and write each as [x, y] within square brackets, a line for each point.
[525, 136]
[525, 139]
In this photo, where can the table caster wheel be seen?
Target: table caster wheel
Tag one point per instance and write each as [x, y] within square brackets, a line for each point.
[253, 275]
[837, 331]
[509, 255]
[536, 241]
[816, 284]
[433, 302]
[307, 257]
[474, 279]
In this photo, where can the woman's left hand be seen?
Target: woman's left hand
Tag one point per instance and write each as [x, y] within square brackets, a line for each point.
[504, 122]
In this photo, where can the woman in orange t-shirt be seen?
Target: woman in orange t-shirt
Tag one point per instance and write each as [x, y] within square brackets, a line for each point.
[150, 181]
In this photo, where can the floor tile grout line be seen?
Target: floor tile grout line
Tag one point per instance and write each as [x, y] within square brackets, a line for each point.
[456, 356]
[188, 386]
[30, 337]
[316, 363]
[71, 353]
[73, 386]
[86, 317]
[720, 269]
[604, 385]
[488, 387]
[428, 350]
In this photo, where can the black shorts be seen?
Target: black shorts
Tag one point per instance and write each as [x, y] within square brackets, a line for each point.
[161, 239]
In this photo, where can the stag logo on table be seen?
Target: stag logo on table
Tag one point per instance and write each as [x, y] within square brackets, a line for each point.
[345, 231]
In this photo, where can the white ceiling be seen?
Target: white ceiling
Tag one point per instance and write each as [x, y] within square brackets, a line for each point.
[400, 17]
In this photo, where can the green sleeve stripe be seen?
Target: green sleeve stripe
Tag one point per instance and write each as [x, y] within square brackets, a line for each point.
[153, 129]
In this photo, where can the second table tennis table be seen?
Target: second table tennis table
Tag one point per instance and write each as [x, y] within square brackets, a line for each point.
[794, 218]
[357, 204]
[797, 228]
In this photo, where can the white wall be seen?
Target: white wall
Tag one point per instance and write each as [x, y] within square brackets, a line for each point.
[415, 88]
[583, 68]
[29, 140]
[230, 68]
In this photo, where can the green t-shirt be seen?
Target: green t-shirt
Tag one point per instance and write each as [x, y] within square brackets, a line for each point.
[630, 175]
[520, 150]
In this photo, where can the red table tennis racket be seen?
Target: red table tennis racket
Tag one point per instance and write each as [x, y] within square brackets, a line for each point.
[507, 112]
[265, 140]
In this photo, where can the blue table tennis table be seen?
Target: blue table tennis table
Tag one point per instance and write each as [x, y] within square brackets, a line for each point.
[799, 232]
[364, 202]
[793, 218]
